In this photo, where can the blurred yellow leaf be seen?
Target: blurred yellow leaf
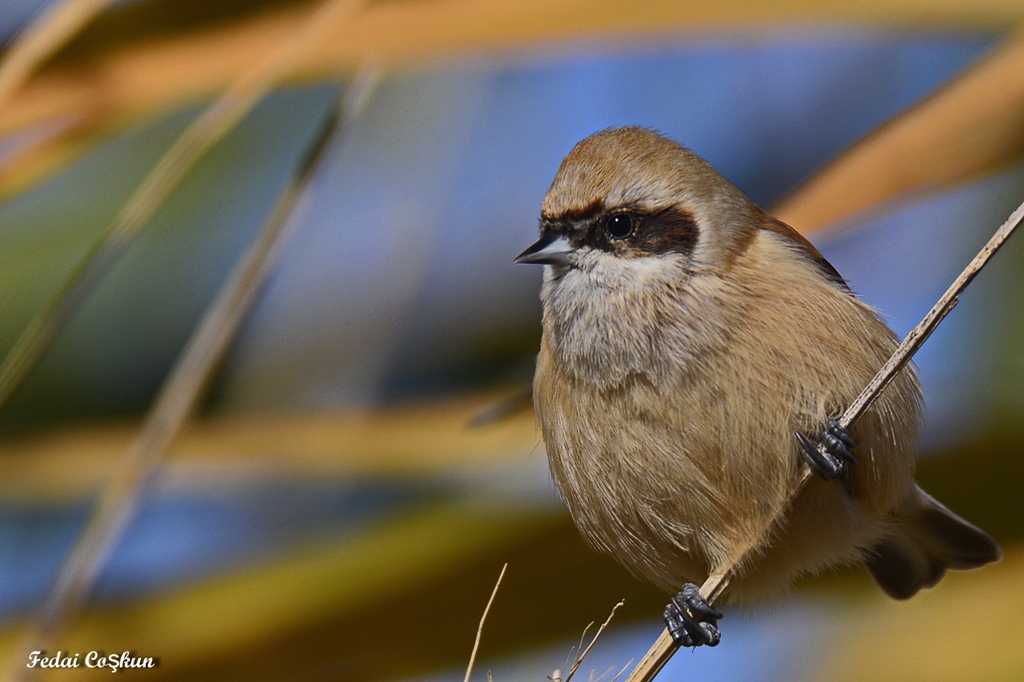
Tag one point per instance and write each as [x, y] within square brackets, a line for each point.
[421, 439]
[105, 82]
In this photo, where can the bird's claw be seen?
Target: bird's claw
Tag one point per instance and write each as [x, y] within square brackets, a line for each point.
[691, 620]
[832, 460]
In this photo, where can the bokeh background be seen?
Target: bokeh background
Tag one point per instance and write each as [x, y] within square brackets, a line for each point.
[333, 509]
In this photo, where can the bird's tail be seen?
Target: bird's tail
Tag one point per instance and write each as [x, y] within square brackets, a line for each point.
[928, 540]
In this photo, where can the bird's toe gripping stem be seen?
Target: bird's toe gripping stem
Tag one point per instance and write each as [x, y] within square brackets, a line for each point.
[690, 619]
[832, 460]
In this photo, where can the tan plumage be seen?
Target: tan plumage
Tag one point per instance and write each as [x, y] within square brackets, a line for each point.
[676, 364]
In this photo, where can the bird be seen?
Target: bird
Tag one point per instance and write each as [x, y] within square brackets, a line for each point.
[690, 341]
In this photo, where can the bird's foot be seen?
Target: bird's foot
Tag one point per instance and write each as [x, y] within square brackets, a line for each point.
[832, 463]
[690, 619]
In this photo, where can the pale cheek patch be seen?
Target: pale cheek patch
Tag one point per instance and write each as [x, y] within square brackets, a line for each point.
[630, 275]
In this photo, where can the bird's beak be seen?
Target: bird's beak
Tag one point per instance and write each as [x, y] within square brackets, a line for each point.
[551, 249]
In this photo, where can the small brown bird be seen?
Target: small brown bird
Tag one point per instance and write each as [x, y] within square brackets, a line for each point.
[690, 339]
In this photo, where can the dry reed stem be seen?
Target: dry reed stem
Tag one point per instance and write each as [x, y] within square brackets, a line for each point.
[483, 619]
[179, 393]
[664, 647]
[211, 126]
[623, 671]
[579, 659]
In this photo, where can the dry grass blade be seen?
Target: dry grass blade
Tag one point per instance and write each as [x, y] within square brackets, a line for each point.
[178, 395]
[483, 619]
[972, 125]
[41, 39]
[210, 127]
[579, 659]
[663, 649]
[622, 672]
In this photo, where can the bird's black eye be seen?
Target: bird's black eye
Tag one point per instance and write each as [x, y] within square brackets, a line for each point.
[620, 225]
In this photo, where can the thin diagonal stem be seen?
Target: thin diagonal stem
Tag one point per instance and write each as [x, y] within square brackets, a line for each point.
[483, 619]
